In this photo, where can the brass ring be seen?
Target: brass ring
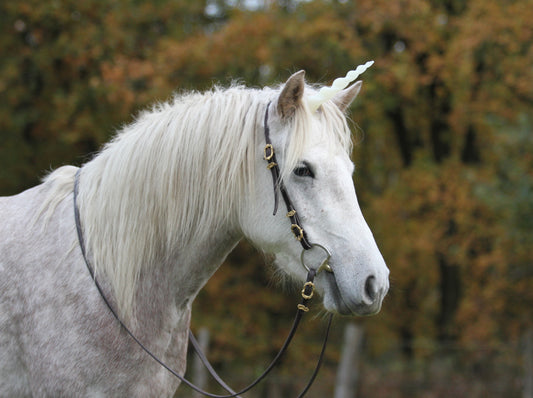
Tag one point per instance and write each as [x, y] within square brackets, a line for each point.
[325, 264]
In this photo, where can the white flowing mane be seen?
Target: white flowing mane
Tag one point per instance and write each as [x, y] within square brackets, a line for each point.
[177, 173]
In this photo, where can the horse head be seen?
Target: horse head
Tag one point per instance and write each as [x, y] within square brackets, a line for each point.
[312, 143]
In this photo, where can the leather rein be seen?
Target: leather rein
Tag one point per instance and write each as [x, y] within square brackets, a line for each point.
[306, 293]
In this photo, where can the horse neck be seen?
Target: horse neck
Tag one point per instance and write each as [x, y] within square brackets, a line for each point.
[169, 276]
[170, 286]
[145, 230]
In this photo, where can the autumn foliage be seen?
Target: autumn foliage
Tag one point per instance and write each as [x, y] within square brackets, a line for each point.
[443, 157]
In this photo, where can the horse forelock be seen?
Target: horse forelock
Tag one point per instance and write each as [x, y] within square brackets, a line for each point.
[175, 174]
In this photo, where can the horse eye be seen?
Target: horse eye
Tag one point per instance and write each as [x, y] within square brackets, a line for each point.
[303, 171]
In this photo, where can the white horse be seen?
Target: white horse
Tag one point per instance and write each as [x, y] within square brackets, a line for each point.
[160, 207]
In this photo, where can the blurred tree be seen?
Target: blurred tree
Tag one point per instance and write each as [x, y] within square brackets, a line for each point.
[70, 72]
[444, 122]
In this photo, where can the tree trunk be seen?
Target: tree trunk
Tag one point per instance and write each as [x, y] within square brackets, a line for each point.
[450, 290]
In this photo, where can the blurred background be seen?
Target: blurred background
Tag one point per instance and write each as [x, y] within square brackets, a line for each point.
[444, 168]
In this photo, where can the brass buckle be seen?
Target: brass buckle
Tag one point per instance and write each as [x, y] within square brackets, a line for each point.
[270, 149]
[297, 231]
[325, 264]
[310, 295]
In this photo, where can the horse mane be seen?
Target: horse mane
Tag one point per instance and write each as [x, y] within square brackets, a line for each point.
[175, 174]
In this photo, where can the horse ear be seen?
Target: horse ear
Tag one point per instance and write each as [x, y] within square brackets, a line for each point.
[291, 95]
[344, 98]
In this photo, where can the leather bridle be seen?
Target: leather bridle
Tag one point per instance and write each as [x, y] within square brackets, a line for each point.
[270, 157]
[306, 293]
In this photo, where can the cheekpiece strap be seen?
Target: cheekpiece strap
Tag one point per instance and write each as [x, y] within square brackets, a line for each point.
[272, 165]
[270, 157]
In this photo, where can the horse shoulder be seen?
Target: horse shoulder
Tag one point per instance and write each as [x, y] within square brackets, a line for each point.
[46, 320]
[18, 253]
[57, 338]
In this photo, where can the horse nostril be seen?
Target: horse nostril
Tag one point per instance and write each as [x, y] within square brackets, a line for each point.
[371, 289]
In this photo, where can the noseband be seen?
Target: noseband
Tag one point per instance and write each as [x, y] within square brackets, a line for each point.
[306, 293]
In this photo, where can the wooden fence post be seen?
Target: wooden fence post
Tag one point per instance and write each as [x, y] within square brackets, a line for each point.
[348, 371]
[199, 370]
[528, 364]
